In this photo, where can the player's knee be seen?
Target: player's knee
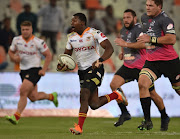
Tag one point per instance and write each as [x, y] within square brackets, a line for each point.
[23, 92]
[94, 106]
[33, 98]
[142, 85]
[113, 86]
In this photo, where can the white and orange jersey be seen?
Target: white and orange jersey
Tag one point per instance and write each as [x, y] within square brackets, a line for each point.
[29, 51]
[86, 46]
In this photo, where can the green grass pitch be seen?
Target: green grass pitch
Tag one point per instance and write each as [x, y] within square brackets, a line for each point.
[94, 128]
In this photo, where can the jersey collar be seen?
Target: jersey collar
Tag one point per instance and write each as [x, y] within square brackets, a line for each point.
[88, 28]
[32, 37]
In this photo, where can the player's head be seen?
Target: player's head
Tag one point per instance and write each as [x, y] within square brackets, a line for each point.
[27, 7]
[78, 22]
[26, 29]
[129, 18]
[153, 7]
[53, 2]
[109, 10]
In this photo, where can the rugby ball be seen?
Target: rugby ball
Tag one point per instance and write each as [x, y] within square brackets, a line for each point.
[67, 60]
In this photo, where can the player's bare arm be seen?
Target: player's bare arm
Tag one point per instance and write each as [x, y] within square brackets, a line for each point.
[108, 49]
[106, 55]
[121, 54]
[14, 56]
[48, 58]
[135, 45]
[168, 39]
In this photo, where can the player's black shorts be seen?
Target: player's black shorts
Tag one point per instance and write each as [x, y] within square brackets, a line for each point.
[31, 75]
[170, 69]
[91, 79]
[128, 74]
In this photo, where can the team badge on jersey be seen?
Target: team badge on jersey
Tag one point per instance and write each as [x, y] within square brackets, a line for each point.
[102, 35]
[170, 26]
[80, 40]
[88, 38]
[45, 46]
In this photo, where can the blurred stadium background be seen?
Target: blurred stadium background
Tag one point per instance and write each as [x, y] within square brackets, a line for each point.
[67, 84]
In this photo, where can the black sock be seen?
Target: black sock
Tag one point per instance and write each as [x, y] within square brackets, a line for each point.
[123, 108]
[146, 104]
[163, 113]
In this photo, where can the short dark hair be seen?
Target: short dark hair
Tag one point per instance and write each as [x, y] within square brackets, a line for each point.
[131, 11]
[158, 2]
[26, 23]
[82, 17]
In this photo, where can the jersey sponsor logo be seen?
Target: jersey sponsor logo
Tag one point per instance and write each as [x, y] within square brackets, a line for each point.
[45, 46]
[170, 26]
[26, 52]
[102, 35]
[84, 48]
[150, 20]
[171, 31]
[32, 46]
[19, 43]
[152, 23]
[149, 46]
[25, 45]
[88, 38]
[98, 32]
[129, 57]
[129, 35]
[80, 40]
[72, 40]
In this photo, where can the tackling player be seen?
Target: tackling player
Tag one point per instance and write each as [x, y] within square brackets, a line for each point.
[134, 56]
[27, 50]
[161, 57]
[85, 42]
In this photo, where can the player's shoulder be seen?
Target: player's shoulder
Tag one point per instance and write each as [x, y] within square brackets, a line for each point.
[70, 35]
[93, 30]
[38, 39]
[164, 15]
[144, 16]
[122, 30]
[16, 38]
[164, 18]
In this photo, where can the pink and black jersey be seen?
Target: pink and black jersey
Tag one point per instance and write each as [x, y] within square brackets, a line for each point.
[157, 27]
[133, 58]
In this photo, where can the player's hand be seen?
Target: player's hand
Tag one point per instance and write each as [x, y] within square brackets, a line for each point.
[62, 67]
[42, 72]
[120, 42]
[96, 64]
[144, 38]
[17, 59]
[121, 56]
